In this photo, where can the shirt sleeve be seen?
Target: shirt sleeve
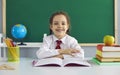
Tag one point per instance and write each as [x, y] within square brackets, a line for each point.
[45, 51]
[75, 45]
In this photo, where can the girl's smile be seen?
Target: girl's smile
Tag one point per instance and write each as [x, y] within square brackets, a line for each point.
[60, 30]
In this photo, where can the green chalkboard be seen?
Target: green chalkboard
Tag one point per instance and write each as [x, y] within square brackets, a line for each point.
[91, 20]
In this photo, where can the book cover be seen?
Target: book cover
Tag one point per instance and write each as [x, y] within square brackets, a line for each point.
[95, 60]
[60, 62]
[108, 48]
[108, 54]
[102, 59]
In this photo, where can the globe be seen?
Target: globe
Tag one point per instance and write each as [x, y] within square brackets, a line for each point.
[19, 31]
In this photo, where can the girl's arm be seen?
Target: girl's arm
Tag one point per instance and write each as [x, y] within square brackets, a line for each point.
[45, 51]
[74, 50]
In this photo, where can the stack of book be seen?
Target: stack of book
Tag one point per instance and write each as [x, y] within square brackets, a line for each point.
[108, 53]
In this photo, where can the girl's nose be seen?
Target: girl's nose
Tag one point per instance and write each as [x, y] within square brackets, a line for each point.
[60, 25]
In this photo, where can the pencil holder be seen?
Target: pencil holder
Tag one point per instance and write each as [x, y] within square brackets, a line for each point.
[13, 54]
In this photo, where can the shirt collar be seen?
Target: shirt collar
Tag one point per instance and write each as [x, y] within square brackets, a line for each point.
[63, 39]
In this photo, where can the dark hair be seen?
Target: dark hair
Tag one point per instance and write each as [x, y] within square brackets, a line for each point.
[59, 13]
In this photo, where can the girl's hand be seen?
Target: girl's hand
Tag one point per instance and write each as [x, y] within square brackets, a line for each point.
[59, 56]
[68, 51]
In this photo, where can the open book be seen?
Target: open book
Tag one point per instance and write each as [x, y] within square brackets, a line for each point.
[60, 62]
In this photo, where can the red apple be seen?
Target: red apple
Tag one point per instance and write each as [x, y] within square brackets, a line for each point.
[109, 40]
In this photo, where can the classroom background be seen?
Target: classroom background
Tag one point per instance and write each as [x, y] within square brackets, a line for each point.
[90, 51]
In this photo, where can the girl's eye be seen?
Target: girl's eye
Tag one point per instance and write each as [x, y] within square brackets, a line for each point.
[56, 23]
[63, 23]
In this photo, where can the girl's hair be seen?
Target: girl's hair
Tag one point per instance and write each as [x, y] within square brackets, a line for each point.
[60, 13]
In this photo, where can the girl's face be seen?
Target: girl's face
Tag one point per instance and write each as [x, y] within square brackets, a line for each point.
[59, 26]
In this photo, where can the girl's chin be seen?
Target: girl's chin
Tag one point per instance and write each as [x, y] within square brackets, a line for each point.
[60, 35]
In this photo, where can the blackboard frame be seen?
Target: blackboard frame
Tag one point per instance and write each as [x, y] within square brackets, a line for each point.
[83, 44]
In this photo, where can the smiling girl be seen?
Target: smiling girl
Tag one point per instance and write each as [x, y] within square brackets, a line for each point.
[59, 43]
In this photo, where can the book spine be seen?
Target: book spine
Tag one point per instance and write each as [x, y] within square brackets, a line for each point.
[102, 59]
[100, 47]
[98, 57]
[98, 52]
[108, 54]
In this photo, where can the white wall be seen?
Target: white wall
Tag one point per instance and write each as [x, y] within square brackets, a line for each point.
[0, 17]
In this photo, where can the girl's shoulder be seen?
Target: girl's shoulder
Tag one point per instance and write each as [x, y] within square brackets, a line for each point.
[49, 37]
[70, 38]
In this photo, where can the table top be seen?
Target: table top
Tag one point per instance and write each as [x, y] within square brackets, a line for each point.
[24, 67]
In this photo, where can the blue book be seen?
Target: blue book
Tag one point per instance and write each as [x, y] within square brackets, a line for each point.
[95, 60]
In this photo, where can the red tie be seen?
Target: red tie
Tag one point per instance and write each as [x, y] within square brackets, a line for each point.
[58, 44]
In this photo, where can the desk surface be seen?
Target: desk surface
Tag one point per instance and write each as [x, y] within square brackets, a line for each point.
[25, 68]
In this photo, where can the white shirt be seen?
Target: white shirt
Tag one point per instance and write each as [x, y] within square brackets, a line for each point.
[47, 48]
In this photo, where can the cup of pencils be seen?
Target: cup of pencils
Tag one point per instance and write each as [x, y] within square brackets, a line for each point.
[13, 52]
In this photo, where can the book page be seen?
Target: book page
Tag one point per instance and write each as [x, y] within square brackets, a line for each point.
[48, 62]
[75, 62]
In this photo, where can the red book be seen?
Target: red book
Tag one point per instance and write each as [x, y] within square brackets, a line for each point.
[108, 48]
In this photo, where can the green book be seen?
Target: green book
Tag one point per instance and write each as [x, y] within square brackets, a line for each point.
[104, 63]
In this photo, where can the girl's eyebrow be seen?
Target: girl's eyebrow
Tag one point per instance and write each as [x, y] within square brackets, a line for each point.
[55, 21]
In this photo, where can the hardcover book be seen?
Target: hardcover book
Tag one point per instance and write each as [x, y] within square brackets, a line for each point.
[102, 59]
[108, 54]
[95, 60]
[108, 48]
